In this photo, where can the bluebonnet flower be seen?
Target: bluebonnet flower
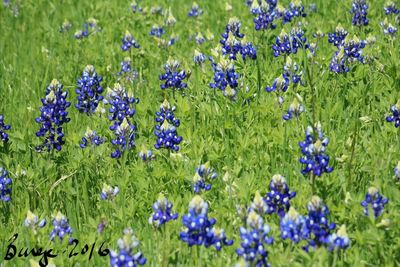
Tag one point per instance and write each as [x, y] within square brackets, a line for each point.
[295, 109]
[313, 149]
[156, 10]
[248, 50]
[296, 9]
[298, 40]
[199, 228]
[126, 70]
[122, 110]
[195, 10]
[89, 90]
[53, 116]
[254, 241]
[199, 38]
[218, 239]
[32, 221]
[199, 58]
[231, 43]
[292, 71]
[171, 20]
[376, 200]
[339, 240]
[5, 185]
[126, 66]
[388, 28]
[127, 256]
[135, 7]
[390, 8]
[102, 225]
[280, 84]
[264, 16]
[258, 205]
[233, 27]
[291, 74]
[166, 129]
[225, 77]
[128, 42]
[146, 154]
[157, 31]
[61, 228]
[204, 174]
[353, 49]
[294, 226]
[278, 199]
[124, 137]
[318, 223]
[359, 9]
[173, 76]
[165, 43]
[66, 26]
[80, 34]
[312, 8]
[287, 44]
[338, 62]
[3, 128]
[92, 25]
[91, 138]
[337, 37]
[397, 171]
[108, 192]
[395, 117]
[162, 212]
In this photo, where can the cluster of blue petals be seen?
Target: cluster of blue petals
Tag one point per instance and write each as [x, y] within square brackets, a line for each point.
[53, 116]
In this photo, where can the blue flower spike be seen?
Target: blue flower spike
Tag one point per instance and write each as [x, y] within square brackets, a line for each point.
[294, 226]
[32, 222]
[255, 237]
[162, 212]
[128, 254]
[314, 159]
[5, 185]
[61, 228]
[204, 174]
[339, 240]
[395, 117]
[375, 201]
[278, 199]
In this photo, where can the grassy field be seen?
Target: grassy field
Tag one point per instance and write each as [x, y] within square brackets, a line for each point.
[245, 140]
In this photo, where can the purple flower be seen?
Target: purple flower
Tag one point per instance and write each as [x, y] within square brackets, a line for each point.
[376, 200]
[395, 117]
[254, 238]
[5, 185]
[61, 228]
[127, 254]
[173, 76]
[89, 91]
[199, 229]
[128, 42]
[3, 128]
[162, 212]
[313, 149]
[53, 116]
[166, 129]
[318, 223]
[278, 199]
[294, 226]
[109, 192]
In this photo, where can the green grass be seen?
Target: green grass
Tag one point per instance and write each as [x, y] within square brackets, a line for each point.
[250, 142]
